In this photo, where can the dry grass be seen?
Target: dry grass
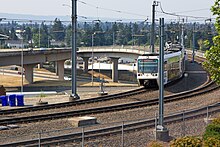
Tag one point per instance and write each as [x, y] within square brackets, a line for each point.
[15, 80]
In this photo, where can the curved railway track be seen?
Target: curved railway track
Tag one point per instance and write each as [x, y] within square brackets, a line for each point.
[210, 86]
[116, 129]
[95, 110]
[122, 95]
[77, 102]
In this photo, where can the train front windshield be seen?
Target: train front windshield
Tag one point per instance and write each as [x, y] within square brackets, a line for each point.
[147, 65]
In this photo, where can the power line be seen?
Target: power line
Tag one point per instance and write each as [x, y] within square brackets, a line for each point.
[178, 15]
[113, 10]
[196, 10]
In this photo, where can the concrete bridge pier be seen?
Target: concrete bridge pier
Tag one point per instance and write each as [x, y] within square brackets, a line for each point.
[60, 69]
[85, 64]
[114, 69]
[56, 67]
[29, 72]
[40, 65]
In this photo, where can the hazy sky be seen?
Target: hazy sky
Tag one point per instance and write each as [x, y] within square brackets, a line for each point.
[140, 7]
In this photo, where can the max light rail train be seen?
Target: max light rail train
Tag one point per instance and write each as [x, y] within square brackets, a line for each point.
[148, 66]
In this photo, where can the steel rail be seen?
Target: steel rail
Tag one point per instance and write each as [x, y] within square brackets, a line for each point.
[104, 109]
[77, 102]
[116, 129]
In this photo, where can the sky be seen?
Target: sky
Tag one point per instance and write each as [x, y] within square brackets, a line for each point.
[129, 9]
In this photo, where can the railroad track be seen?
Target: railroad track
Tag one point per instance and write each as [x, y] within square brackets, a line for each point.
[116, 129]
[95, 110]
[77, 102]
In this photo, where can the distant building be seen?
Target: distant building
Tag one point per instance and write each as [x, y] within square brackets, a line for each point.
[15, 43]
[57, 43]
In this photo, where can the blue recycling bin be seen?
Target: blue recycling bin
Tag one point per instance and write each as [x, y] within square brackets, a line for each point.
[20, 100]
[12, 100]
[4, 100]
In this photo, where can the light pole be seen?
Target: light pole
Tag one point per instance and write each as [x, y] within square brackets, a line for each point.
[93, 48]
[93, 55]
[39, 35]
[22, 62]
[113, 33]
[155, 3]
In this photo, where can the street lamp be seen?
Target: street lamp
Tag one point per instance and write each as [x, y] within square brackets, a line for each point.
[113, 33]
[22, 61]
[93, 55]
[92, 47]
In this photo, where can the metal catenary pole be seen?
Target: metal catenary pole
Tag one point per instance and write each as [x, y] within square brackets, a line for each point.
[74, 49]
[194, 31]
[161, 73]
[122, 134]
[155, 3]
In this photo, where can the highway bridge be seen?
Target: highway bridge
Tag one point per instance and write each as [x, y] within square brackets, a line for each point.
[36, 56]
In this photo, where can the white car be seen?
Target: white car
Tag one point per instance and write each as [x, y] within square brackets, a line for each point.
[67, 78]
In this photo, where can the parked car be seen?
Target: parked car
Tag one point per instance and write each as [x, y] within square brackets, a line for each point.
[68, 78]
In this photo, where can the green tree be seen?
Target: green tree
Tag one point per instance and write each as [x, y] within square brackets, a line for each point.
[13, 35]
[43, 36]
[58, 30]
[212, 63]
[68, 36]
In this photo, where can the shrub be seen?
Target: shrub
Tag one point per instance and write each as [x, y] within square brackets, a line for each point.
[213, 130]
[187, 142]
[216, 121]
[211, 142]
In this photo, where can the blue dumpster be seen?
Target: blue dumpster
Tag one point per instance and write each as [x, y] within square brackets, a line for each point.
[20, 100]
[4, 99]
[12, 100]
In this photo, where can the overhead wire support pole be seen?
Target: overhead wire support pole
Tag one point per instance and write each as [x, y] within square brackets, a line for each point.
[161, 74]
[193, 49]
[182, 35]
[74, 94]
[162, 133]
[155, 3]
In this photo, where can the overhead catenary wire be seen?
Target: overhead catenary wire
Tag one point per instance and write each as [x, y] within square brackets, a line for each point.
[195, 10]
[178, 15]
[113, 10]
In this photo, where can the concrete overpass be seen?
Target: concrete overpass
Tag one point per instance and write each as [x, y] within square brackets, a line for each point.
[36, 56]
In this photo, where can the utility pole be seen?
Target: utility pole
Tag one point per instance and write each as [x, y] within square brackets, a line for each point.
[161, 72]
[182, 35]
[39, 35]
[155, 3]
[74, 94]
[162, 133]
[182, 43]
[194, 31]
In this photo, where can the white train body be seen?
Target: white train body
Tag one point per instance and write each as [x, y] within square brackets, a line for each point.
[148, 67]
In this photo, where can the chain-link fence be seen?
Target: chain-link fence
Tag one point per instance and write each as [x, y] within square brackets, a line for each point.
[127, 133]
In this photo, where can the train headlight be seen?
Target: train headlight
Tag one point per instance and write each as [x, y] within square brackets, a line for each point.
[139, 74]
[154, 74]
